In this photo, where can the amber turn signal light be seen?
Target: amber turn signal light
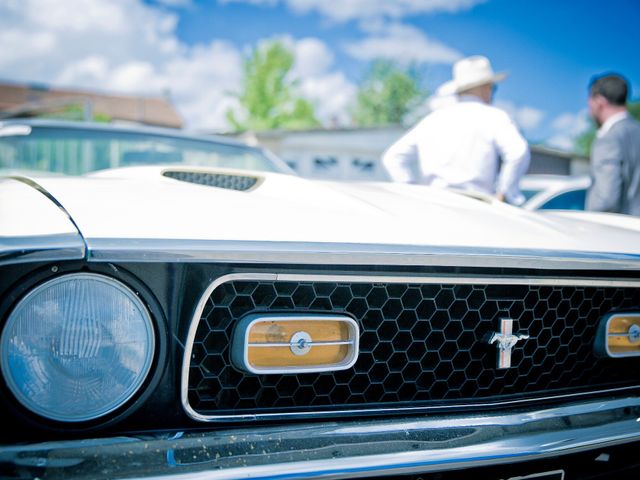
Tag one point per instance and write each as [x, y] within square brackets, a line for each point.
[291, 343]
[619, 335]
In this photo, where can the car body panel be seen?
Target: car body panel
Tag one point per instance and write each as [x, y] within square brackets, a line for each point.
[291, 209]
[33, 227]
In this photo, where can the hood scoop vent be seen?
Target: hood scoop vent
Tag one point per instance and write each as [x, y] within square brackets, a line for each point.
[219, 180]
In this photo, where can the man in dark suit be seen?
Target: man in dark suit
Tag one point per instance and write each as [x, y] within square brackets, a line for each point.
[615, 155]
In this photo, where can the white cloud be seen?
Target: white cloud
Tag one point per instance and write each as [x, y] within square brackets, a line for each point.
[402, 43]
[121, 46]
[176, 3]
[203, 81]
[17, 44]
[566, 128]
[332, 94]
[574, 123]
[77, 35]
[529, 118]
[126, 46]
[260, 3]
[328, 89]
[345, 10]
[561, 142]
[313, 57]
[84, 71]
[526, 117]
[76, 15]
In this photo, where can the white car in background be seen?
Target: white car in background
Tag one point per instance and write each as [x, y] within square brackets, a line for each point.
[555, 192]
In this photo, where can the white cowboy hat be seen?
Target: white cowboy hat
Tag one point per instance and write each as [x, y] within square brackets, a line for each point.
[474, 71]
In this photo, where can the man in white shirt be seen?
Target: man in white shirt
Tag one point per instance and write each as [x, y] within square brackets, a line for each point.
[468, 145]
[615, 154]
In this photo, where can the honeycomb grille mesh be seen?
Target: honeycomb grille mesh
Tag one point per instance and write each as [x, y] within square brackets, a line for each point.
[419, 345]
[219, 180]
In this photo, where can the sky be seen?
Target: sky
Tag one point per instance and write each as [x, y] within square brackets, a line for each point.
[193, 50]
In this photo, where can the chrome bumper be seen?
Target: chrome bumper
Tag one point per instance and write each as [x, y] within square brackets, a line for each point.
[339, 450]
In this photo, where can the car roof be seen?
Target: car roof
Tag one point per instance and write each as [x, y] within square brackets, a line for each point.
[124, 128]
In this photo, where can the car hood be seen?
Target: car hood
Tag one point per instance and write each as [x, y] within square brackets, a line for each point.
[142, 203]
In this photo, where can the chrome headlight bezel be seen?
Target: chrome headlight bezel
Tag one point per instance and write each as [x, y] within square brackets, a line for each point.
[148, 371]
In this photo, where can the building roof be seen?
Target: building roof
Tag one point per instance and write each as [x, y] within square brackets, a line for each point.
[26, 100]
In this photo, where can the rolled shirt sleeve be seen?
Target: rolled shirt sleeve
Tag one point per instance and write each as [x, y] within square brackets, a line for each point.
[401, 160]
[514, 151]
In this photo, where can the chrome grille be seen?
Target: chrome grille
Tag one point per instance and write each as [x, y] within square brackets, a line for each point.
[421, 345]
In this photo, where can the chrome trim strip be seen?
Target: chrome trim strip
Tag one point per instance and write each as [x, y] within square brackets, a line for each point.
[366, 448]
[306, 253]
[184, 390]
[47, 248]
[311, 344]
[193, 327]
[608, 350]
[462, 280]
[123, 396]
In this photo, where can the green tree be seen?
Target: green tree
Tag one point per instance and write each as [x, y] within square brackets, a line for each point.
[267, 95]
[387, 94]
[585, 139]
[583, 142]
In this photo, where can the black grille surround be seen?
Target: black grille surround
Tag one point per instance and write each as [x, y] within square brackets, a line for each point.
[421, 345]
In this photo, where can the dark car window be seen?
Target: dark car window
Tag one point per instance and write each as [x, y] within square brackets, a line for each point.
[572, 200]
[75, 151]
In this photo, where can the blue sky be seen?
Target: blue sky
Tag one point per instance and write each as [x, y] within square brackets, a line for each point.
[194, 49]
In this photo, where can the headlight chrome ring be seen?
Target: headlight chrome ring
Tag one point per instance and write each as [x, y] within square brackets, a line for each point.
[77, 347]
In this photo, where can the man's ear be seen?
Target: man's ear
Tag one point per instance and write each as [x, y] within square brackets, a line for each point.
[600, 101]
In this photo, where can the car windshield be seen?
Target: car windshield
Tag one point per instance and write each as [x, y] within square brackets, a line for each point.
[75, 151]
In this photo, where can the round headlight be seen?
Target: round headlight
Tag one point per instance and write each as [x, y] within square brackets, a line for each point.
[77, 347]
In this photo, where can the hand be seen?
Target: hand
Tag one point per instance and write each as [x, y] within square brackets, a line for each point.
[500, 197]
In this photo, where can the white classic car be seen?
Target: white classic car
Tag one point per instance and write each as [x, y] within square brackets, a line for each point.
[187, 308]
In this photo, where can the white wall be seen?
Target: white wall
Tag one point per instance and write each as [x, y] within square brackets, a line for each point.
[333, 154]
[354, 154]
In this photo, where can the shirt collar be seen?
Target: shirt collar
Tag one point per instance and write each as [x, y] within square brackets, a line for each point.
[611, 121]
[469, 98]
